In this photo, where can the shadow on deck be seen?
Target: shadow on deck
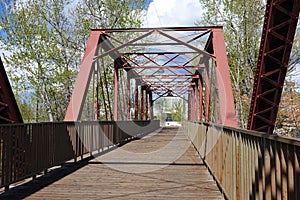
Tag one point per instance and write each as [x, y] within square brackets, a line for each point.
[161, 165]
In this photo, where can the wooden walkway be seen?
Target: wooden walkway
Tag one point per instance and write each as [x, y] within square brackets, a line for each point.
[161, 165]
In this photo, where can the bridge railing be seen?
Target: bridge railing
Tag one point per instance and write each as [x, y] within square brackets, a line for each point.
[247, 164]
[29, 149]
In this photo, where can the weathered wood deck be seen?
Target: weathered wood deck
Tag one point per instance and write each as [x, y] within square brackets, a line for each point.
[161, 165]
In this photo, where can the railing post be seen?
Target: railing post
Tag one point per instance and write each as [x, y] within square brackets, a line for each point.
[297, 172]
[291, 172]
[267, 169]
[284, 171]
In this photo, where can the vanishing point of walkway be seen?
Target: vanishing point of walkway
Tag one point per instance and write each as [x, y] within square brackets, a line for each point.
[162, 165]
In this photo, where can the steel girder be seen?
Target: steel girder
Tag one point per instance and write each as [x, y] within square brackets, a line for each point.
[76, 102]
[276, 43]
[9, 111]
[162, 64]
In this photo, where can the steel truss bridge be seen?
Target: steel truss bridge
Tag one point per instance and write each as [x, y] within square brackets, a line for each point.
[123, 73]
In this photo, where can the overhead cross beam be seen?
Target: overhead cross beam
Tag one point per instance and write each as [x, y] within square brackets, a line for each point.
[149, 63]
[276, 43]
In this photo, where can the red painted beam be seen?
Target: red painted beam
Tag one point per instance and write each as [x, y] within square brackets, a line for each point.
[83, 79]
[136, 106]
[101, 38]
[223, 86]
[202, 28]
[279, 28]
[9, 111]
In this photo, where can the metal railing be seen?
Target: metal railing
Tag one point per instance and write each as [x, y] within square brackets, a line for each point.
[247, 164]
[29, 149]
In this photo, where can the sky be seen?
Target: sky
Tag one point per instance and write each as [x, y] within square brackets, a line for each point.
[172, 13]
[163, 13]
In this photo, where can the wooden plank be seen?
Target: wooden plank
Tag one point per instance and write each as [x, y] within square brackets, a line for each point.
[161, 165]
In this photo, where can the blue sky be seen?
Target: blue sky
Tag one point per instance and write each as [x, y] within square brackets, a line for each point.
[162, 13]
[1, 5]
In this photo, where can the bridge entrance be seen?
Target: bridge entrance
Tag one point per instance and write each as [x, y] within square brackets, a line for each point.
[149, 63]
[124, 72]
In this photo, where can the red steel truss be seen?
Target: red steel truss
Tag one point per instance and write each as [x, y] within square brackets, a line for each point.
[9, 111]
[277, 38]
[135, 67]
[124, 71]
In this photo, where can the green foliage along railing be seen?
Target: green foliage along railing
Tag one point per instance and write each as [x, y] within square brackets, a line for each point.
[247, 164]
[28, 149]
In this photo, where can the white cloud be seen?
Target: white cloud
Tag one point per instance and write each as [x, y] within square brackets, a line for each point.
[172, 13]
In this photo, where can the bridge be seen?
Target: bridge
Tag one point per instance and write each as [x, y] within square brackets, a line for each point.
[110, 145]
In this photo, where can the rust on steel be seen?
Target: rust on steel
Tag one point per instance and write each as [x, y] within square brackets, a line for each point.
[9, 110]
[276, 43]
[163, 61]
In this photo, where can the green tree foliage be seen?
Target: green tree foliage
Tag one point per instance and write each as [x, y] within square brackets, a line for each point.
[111, 14]
[288, 118]
[177, 110]
[295, 54]
[46, 40]
[242, 21]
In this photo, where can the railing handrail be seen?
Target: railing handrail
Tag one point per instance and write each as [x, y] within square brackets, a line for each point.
[274, 137]
[72, 122]
[28, 149]
[248, 164]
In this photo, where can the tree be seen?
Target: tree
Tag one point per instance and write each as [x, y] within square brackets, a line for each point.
[111, 14]
[46, 39]
[37, 35]
[288, 119]
[242, 21]
[101, 14]
[295, 54]
[177, 110]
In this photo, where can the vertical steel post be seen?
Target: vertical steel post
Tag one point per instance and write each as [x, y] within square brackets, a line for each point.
[200, 88]
[197, 114]
[189, 104]
[116, 92]
[147, 105]
[151, 105]
[97, 92]
[207, 97]
[142, 103]
[128, 98]
[93, 106]
[193, 103]
[103, 96]
[136, 110]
